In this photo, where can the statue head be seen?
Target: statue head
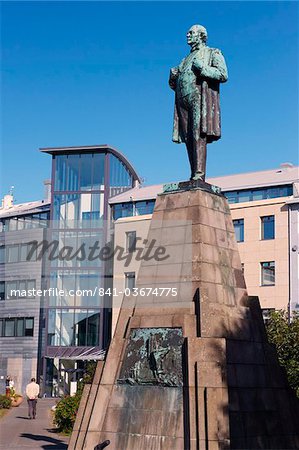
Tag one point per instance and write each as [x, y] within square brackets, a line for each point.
[197, 34]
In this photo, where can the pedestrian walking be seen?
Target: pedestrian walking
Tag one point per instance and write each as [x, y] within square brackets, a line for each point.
[7, 386]
[32, 392]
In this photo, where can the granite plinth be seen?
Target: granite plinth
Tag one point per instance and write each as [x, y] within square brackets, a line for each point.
[234, 393]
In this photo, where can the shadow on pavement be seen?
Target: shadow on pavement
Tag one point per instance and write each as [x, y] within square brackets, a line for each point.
[54, 444]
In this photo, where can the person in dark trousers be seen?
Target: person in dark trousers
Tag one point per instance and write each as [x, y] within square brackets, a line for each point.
[32, 392]
[7, 386]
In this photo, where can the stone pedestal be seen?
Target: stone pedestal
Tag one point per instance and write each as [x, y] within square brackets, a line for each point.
[228, 391]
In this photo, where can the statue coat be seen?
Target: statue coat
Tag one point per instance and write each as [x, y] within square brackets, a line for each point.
[212, 73]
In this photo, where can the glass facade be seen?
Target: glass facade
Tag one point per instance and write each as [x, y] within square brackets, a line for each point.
[25, 222]
[119, 175]
[73, 327]
[79, 172]
[251, 195]
[130, 209]
[82, 183]
[77, 315]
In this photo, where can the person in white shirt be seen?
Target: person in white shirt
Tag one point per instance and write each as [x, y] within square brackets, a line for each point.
[32, 392]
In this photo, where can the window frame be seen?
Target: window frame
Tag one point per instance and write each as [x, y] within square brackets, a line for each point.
[241, 224]
[131, 248]
[262, 268]
[263, 222]
[130, 276]
[15, 321]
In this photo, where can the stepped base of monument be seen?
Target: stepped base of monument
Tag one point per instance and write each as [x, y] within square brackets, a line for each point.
[194, 371]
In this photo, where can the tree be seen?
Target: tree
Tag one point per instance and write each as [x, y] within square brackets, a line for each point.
[285, 337]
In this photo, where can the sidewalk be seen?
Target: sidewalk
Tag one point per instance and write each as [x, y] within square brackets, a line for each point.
[17, 431]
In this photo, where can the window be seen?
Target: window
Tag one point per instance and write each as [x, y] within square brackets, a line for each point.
[98, 171]
[67, 327]
[130, 280]
[239, 229]
[249, 195]
[20, 286]
[11, 287]
[28, 329]
[267, 227]
[38, 220]
[2, 290]
[242, 268]
[16, 327]
[16, 253]
[144, 207]
[73, 327]
[93, 327]
[86, 172]
[9, 327]
[12, 253]
[244, 196]
[2, 254]
[122, 210]
[80, 327]
[20, 327]
[30, 284]
[25, 251]
[92, 209]
[119, 175]
[268, 273]
[130, 241]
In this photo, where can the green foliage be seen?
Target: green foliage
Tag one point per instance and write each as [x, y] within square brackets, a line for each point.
[89, 372]
[66, 410]
[13, 394]
[65, 413]
[5, 402]
[285, 337]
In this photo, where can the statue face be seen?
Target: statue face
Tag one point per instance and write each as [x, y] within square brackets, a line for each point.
[193, 36]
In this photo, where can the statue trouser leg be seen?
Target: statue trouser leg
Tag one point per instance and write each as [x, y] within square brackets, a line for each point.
[198, 143]
[200, 157]
[185, 126]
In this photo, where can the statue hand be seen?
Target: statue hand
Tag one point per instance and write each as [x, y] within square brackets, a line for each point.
[174, 71]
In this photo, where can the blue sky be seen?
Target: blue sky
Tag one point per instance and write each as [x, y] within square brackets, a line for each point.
[83, 73]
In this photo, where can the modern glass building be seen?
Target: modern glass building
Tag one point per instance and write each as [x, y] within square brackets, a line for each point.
[20, 320]
[76, 313]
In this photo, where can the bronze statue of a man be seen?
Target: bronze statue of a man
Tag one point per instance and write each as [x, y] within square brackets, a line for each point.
[197, 112]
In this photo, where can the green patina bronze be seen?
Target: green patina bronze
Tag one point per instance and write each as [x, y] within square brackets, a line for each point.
[196, 83]
[153, 357]
[188, 185]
